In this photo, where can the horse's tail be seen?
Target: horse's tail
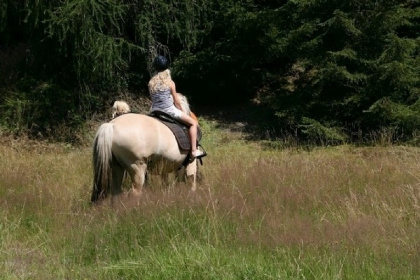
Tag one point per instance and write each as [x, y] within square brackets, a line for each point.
[102, 156]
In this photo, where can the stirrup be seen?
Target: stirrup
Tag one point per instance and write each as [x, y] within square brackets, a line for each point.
[198, 154]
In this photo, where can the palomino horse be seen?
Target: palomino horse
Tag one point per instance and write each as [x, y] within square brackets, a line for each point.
[137, 144]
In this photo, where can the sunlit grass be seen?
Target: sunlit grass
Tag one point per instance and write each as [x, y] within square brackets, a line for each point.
[260, 213]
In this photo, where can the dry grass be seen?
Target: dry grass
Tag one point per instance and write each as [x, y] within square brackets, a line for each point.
[346, 208]
[327, 196]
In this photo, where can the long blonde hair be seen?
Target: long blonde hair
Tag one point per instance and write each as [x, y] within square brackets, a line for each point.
[160, 81]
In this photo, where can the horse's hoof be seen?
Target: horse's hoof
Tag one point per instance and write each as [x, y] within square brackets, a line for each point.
[135, 193]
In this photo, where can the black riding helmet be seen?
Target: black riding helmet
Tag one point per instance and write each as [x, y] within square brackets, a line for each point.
[161, 63]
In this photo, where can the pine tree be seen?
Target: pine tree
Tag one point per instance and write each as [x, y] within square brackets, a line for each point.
[342, 59]
[79, 53]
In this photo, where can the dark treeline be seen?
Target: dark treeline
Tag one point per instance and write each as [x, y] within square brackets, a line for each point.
[322, 70]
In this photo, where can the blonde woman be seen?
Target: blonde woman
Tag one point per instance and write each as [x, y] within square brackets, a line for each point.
[164, 98]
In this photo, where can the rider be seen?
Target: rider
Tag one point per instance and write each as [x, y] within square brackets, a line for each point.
[165, 98]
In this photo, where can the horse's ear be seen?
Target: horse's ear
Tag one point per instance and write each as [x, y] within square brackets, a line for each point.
[192, 115]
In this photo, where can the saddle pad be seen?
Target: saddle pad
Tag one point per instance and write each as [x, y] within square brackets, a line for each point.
[181, 135]
[180, 130]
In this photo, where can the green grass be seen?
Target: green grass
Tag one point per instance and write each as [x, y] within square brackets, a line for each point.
[261, 212]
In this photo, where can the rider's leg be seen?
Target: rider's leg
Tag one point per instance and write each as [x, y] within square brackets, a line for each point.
[192, 130]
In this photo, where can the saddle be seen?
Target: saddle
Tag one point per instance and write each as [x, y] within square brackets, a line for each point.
[179, 129]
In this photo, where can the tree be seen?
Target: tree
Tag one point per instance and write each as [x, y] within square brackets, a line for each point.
[327, 69]
[78, 54]
[340, 60]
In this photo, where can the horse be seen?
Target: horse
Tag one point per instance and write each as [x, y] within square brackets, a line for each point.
[137, 144]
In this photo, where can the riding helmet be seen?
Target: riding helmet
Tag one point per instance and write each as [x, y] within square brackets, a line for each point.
[161, 63]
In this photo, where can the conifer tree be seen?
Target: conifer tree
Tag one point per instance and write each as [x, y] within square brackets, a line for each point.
[342, 61]
[332, 70]
[79, 53]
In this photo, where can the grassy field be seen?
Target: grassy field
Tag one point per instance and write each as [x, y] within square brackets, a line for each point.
[260, 212]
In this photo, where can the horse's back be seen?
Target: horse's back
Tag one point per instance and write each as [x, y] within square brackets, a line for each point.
[135, 122]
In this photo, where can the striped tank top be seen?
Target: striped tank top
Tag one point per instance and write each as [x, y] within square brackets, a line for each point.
[161, 99]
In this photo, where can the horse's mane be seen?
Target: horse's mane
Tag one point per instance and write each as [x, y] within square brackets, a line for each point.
[184, 104]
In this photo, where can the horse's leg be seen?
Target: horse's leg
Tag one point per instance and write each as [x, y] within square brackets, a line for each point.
[165, 179]
[191, 172]
[117, 179]
[137, 173]
[180, 174]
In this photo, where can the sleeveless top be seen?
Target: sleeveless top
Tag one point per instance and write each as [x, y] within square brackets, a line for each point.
[161, 99]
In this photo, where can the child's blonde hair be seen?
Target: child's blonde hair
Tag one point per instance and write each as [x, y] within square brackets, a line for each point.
[160, 81]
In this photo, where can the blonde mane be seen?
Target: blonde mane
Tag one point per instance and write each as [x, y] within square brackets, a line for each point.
[120, 107]
[184, 104]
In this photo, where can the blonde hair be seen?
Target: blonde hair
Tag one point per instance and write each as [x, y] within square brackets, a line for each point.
[160, 81]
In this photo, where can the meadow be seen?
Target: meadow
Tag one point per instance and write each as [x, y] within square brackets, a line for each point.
[261, 211]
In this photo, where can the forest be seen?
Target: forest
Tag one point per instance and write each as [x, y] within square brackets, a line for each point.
[321, 71]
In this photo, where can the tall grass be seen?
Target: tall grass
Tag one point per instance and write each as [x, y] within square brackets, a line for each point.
[259, 213]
